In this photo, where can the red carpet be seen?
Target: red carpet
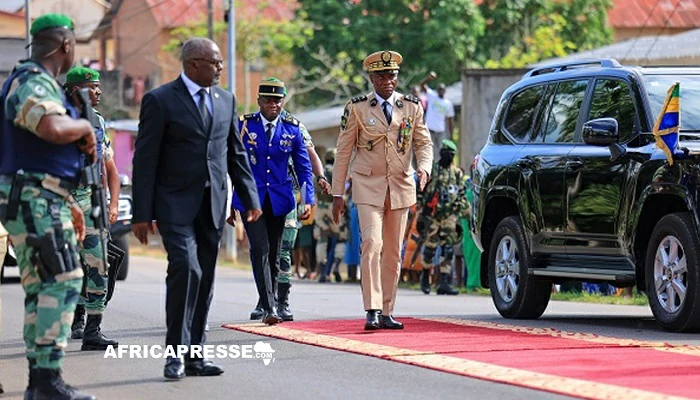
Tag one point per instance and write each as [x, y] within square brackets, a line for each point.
[582, 365]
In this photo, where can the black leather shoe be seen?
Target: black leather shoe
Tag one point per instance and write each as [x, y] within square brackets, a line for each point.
[174, 369]
[271, 317]
[388, 322]
[202, 367]
[372, 323]
[257, 314]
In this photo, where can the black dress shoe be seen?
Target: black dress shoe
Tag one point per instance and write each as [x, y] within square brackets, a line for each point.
[174, 369]
[372, 323]
[257, 314]
[202, 367]
[271, 317]
[388, 322]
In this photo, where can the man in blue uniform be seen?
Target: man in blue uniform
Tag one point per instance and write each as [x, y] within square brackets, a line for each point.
[41, 140]
[270, 140]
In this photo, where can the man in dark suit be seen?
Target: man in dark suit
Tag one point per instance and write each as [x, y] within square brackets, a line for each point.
[187, 142]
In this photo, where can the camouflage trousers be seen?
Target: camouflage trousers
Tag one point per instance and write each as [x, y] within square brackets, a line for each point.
[91, 252]
[48, 305]
[3, 250]
[289, 237]
[443, 234]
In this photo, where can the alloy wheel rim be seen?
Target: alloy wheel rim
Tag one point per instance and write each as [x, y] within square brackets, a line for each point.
[670, 274]
[507, 269]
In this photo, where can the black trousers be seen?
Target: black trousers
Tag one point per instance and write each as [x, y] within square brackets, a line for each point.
[265, 238]
[192, 251]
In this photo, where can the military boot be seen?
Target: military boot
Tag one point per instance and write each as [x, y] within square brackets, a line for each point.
[352, 273]
[444, 286]
[78, 325]
[93, 339]
[283, 302]
[49, 385]
[425, 281]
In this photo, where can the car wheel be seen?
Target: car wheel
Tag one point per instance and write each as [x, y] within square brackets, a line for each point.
[122, 243]
[515, 293]
[672, 276]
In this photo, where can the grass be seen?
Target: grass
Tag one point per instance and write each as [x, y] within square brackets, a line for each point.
[635, 300]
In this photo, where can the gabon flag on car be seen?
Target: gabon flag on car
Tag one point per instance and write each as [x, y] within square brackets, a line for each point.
[666, 129]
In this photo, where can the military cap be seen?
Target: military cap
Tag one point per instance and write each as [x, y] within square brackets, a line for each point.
[49, 21]
[385, 60]
[82, 75]
[449, 145]
[272, 87]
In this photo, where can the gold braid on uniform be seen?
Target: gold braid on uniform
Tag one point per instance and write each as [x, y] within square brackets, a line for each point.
[376, 138]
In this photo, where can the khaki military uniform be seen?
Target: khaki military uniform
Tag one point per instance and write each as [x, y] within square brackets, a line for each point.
[383, 184]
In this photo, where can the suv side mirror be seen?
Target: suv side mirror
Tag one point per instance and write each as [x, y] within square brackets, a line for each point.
[124, 180]
[601, 132]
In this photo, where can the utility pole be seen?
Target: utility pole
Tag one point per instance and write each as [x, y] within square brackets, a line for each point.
[26, 22]
[230, 236]
[210, 19]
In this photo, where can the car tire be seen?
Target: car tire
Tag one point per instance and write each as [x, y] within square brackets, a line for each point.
[515, 293]
[672, 269]
[122, 243]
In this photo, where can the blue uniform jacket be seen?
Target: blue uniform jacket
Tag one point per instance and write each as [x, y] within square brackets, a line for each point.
[269, 162]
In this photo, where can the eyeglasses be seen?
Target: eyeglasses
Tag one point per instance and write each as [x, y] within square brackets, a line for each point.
[212, 62]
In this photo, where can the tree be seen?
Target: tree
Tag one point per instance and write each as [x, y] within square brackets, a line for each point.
[437, 35]
[512, 27]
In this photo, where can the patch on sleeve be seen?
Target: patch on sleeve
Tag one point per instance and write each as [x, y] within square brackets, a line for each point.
[344, 118]
[34, 109]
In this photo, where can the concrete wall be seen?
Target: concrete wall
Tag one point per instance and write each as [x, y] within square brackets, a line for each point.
[481, 91]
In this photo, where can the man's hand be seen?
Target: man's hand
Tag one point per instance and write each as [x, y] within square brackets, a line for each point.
[113, 213]
[88, 145]
[307, 212]
[142, 229]
[432, 75]
[422, 179]
[338, 209]
[253, 215]
[78, 221]
[231, 220]
[325, 186]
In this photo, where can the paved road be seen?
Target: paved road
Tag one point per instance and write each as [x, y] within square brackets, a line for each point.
[137, 316]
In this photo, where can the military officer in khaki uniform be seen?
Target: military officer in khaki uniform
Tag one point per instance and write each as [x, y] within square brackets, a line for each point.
[381, 128]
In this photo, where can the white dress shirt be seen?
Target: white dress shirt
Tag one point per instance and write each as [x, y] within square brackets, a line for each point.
[194, 88]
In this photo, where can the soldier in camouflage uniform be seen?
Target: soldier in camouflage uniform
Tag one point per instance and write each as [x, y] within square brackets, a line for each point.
[442, 204]
[332, 234]
[92, 248]
[41, 139]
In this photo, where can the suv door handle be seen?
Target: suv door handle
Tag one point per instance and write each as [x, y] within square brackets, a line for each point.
[525, 163]
[574, 165]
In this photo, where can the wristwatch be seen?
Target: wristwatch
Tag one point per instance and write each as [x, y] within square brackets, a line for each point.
[318, 178]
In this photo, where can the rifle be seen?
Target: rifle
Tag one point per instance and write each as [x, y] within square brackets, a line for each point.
[92, 177]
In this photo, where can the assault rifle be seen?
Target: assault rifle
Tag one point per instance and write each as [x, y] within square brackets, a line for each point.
[92, 177]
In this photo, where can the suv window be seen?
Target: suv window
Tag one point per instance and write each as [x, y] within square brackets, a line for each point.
[612, 99]
[521, 113]
[564, 111]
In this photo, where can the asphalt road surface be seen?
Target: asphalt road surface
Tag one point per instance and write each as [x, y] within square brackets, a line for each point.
[136, 315]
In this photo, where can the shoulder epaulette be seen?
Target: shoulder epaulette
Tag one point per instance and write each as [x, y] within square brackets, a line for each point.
[359, 99]
[291, 120]
[249, 116]
[412, 98]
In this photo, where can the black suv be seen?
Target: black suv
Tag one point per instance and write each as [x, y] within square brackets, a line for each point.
[571, 186]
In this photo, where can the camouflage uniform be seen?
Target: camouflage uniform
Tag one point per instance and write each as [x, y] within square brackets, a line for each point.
[331, 234]
[442, 204]
[43, 209]
[91, 250]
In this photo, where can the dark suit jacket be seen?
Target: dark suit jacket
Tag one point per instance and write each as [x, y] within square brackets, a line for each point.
[175, 156]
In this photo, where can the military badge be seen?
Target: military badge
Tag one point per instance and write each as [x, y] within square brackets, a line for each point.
[399, 103]
[371, 122]
[39, 90]
[404, 138]
[253, 159]
[344, 119]
[386, 57]
[373, 103]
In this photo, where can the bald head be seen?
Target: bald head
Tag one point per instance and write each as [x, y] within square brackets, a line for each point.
[201, 61]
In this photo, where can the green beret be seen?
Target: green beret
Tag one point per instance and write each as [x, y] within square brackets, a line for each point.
[48, 21]
[82, 75]
[448, 144]
[272, 87]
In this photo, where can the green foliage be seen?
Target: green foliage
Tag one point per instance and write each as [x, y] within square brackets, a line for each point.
[437, 35]
[521, 32]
